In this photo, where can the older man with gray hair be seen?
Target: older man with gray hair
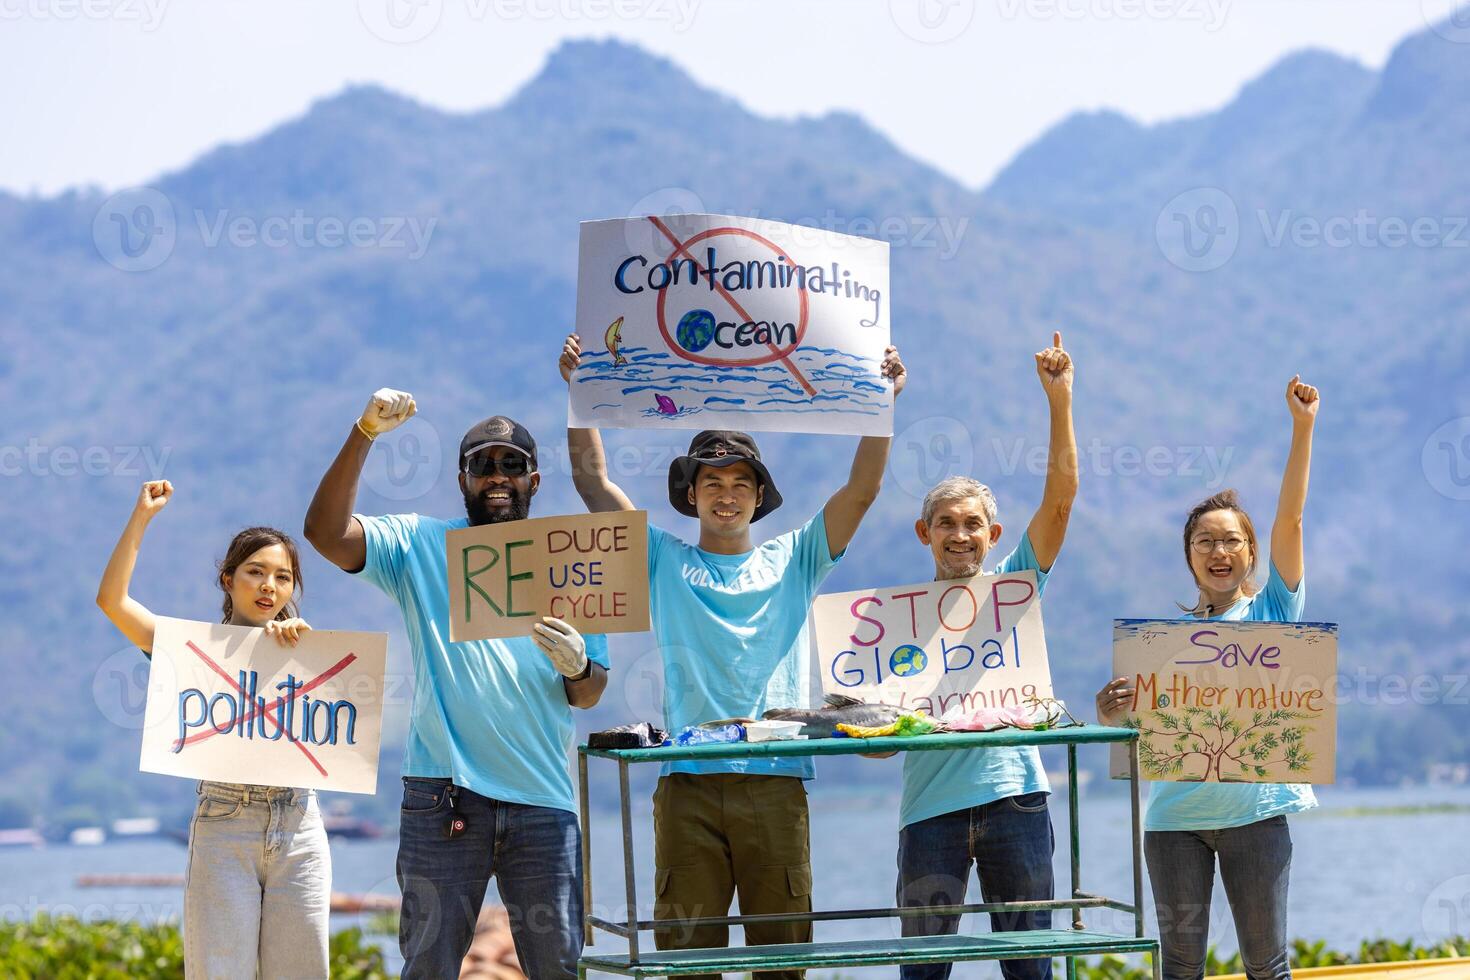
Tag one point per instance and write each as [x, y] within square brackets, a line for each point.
[987, 807]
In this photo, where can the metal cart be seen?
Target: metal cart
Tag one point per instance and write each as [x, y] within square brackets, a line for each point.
[1077, 941]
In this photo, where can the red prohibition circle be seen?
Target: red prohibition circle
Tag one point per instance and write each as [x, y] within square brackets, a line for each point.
[777, 353]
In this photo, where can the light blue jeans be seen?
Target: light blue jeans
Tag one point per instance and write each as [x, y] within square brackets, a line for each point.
[1255, 861]
[258, 889]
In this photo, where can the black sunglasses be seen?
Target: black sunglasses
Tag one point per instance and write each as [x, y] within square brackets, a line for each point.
[510, 464]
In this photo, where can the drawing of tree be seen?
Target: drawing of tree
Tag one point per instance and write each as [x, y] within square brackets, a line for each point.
[1198, 745]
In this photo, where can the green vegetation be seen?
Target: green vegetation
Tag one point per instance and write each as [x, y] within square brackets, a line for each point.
[1303, 955]
[66, 948]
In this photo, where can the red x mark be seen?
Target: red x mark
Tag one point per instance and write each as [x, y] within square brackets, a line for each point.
[682, 248]
[269, 713]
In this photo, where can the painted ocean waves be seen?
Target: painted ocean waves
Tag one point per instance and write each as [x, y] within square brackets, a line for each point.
[655, 384]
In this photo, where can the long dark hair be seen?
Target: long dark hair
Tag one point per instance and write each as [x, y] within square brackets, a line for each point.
[1224, 500]
[247, 543]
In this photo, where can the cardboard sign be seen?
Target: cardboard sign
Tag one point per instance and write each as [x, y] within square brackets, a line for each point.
[698, 321]
[1236, 702]
[958, 644]
[590, 570]
[229, 703]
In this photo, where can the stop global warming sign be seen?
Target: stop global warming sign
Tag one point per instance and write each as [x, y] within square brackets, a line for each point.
[956, 645]
[701, 321]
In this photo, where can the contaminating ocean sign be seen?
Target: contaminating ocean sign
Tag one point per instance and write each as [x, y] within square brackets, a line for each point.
[229, 703]
[699, 321]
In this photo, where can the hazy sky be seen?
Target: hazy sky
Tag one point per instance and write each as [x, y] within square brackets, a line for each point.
[113, 92]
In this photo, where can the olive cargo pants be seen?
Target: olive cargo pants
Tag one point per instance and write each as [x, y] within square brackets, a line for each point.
[722, 833]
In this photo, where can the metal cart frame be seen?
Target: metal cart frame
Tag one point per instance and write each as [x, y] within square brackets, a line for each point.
[1067, 943]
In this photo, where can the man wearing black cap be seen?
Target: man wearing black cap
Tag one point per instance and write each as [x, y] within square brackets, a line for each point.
[730, 622]
[487, 790]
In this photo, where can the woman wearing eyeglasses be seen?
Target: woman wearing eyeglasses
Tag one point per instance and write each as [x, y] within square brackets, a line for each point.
[1191, 826]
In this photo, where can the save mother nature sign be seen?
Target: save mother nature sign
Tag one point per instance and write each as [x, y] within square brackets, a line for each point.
[589, 570]
[958, 644]
[1230, 702]
[700, 321]
[230, 703]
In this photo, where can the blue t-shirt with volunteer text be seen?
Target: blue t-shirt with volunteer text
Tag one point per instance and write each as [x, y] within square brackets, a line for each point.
[491, 715]
[731, 630]
[1219, 806]
[936, 783]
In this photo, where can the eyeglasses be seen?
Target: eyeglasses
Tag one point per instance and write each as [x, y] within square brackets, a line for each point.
[509, 464]
[1203, 546]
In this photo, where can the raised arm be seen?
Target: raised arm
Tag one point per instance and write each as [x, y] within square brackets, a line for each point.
[845, 510]
[1286, 530]
[330, 526]
[584, 447]
[1048, 528]
[128, 614]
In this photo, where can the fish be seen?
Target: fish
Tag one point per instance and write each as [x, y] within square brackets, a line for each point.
[666, 405]
[836, 709]
[614, 337]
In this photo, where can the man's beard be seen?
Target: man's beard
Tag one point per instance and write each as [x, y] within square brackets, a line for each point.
[963, 569]
[480, 512]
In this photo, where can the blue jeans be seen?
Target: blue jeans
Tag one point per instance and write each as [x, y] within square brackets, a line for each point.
[535, 855]
[1010, 843]
[1255, 861]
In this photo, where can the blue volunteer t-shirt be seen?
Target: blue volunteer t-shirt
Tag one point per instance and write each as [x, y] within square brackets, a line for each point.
[731, 630]
[492, 715]
[935, 783]
[1218, 806]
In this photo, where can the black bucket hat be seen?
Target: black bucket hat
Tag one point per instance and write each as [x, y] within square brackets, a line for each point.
[720, 447]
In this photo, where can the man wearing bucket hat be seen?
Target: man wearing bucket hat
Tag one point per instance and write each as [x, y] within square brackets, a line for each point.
[730, 621]
[486, 786]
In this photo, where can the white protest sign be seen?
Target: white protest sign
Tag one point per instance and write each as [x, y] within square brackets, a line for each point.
[1229, 702]
[231, 704]
[958, 644]
[697, 321]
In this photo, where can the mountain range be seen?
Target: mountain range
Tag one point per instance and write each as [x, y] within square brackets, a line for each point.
[225, 339]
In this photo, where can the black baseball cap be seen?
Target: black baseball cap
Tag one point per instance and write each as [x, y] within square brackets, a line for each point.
[720, 447]
[497, 430]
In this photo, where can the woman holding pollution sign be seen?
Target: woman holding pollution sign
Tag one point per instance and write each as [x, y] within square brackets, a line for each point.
[258, 886]
[1243, 825]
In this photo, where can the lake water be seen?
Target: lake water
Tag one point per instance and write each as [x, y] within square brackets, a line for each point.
[1365, 866]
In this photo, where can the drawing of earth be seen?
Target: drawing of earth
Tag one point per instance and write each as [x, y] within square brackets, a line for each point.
[696, 330]
[908, 660]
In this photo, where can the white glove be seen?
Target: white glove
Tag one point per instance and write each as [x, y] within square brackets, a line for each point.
[386, 410]
[563, 644]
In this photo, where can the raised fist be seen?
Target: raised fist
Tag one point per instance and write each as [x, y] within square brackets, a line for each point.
[1302, 400]
[386, 410]
[153, 497]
